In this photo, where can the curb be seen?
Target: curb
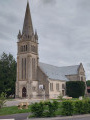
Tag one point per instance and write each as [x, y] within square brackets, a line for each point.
[61, 118]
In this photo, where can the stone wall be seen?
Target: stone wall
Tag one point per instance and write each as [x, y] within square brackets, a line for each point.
[42, 80]
[73, 77]
[80, 76]
[53, 94]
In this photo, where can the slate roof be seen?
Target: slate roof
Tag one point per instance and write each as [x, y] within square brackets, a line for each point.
[58, 73]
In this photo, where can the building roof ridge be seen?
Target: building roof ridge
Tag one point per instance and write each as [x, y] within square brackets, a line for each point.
[59, 66]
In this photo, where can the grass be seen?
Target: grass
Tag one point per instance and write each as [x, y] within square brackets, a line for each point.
[13, 110]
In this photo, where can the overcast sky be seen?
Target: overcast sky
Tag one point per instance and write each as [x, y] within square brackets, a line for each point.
[63, 28]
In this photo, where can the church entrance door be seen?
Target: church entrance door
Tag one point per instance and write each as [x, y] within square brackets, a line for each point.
[24, 92]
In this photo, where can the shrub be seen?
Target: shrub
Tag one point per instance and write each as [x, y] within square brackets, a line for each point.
[2, 99]
[45, 109]
[81, 107]
[88, 82]
[88, 106]
[37, 109]
[52, 108]
[75, 88]
[60, 97]
[85, 107]
[67, 108]
[78, 105]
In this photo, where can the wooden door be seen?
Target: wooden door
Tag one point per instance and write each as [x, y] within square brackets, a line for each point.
[24, 92]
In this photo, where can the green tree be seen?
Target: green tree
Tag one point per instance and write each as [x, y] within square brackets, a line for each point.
[75, 88]
[88, 82]
[7, 74]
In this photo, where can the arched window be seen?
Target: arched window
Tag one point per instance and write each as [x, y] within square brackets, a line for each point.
[21, 48]
[25, 68]
[51, 86]
[63, 86]
[22, 68]
[26, 47]
[57, 86]
[33, 68]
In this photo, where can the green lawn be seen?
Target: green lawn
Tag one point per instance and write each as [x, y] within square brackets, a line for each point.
[12, 110]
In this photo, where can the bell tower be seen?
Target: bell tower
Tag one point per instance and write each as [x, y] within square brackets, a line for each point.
[27, 59]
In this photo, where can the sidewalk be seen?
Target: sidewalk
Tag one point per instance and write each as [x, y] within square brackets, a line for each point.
[15, 102]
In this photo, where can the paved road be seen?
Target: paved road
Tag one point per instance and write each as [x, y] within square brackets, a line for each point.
[82, 118]
[23, 116]
[79, 117]
[86, 118]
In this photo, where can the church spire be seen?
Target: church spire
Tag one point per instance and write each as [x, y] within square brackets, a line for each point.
[27, 26]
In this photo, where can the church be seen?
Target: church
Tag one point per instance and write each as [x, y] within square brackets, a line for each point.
[34, 77]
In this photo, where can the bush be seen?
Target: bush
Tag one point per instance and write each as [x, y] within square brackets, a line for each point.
[75, 88]
[82, 107]
[78, 107]
[60, 97]
[51, 108]
[37, 109]
[2, 99]
[88, 82]
[67, 108]
[75, 107]
[45, 109]
[85, 107]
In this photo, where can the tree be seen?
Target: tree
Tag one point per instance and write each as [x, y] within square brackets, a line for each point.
[75, 88]
[88, 82]
[7, 74]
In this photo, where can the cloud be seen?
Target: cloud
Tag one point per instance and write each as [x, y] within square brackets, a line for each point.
[63, 28]
[48, 1]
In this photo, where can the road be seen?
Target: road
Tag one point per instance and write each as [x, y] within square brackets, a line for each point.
[23, 116]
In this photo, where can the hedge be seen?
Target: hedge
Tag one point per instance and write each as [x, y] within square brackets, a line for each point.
[81, 107]
[68, 108]
[37, 109]
[51, 108]
[75, 88]
[44, 109]
[75, 107]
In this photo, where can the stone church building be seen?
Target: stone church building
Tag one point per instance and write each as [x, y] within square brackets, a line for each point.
[33, 75]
